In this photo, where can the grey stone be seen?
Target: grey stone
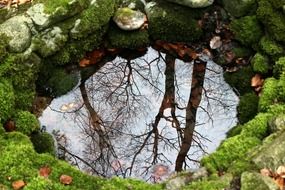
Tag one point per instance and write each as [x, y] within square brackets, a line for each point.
[128, 19]
[193, 3]
[49, 41]
[250, 181]
[17, 30]
[177, 183]
[278, 123]
[39, 17]
[199, 173]
[271, 154]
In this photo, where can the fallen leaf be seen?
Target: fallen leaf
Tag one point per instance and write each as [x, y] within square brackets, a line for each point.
[257, 80]
[84, 62]
[45, 171]
[280, 182]
[18, 184]
[65, 179]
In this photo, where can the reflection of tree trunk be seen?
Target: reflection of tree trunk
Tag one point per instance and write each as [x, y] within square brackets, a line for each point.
[198, 75]
[95, 118]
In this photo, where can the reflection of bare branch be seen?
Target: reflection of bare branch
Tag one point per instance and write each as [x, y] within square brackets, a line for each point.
[198, 76]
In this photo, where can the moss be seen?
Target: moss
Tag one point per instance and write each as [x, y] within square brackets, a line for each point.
[43, 143]
[26, 122]
[173, 23]
[238, 8]
[260, 63]
[273, 20]
[7, 100]
[6, 65]
[242, 51]
[127, 39]
[3, 46]
[279, 67]
[239, 166]
[247, 30]
[232, 149]
[234, 131]
[93, 18]
[240, 80]
[257, 127]
[210, 184]
[271, 47]
[24, 98]
[268, 96]
[247, 107]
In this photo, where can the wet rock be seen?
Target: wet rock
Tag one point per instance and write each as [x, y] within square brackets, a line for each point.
[250, 181]
[278, 123]
[49, 41]
[128, 19]
[17, 30]
[272, 153]
[193, 3]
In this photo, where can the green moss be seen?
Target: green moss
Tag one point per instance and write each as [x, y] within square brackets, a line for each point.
[234, 131]
[43, 143]
[93, 18]
[133, 4]
[279, 66]
[127, 39]
[247, 107]
[238, 8]
[240, 80]
[260, 63]
[273, 20]
[24, 98]
[3, 46]
[257, 127]
[7, 100]
[210, 184]
[271, 47]
[62, 5]
[232, 149]
[26, 122]
[247, 30]
[268, 96]
[7, 65]
[173, 23]
[242, 52]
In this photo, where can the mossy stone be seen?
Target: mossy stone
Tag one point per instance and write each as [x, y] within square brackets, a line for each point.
[240, 80]
[268, 96]
[252, 180]
[247, 30]
[260, 63]
[127, 39]
[239, 8]
[271, 47]
[173, 23]
[247, 107]
[43, 143]
[7, 100]
[26, 122]
[279, 67]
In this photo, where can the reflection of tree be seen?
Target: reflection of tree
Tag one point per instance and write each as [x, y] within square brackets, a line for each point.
[113, 98]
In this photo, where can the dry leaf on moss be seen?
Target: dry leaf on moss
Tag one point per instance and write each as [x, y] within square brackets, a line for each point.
[65, 179]
[45, 171]
[18, 184]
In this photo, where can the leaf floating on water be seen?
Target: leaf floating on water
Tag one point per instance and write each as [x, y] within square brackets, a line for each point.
[45, 171]
[65, 179]
[68, 107]
[18, 184]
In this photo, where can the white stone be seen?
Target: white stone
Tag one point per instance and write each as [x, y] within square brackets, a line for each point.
[193, 3]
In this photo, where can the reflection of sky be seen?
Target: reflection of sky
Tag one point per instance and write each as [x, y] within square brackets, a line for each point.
[213, 129]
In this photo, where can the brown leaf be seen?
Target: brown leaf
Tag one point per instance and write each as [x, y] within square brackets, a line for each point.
[45, 171]
[18, 184]
[280, 182]
[84, 62]
[216, 42]
[257, 80]
[65, 179]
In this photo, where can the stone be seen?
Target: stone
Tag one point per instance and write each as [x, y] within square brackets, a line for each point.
[199, 173]
[278, 123]
[271, 154]
[17, 30]
[177, 183]
[128, 19]
[49, 41]
[253, 180]
[193, 3]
